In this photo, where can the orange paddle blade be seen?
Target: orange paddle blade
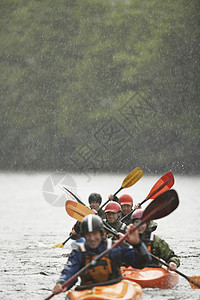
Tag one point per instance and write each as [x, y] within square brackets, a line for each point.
[162, 185]
[196, 280]
[77, 211]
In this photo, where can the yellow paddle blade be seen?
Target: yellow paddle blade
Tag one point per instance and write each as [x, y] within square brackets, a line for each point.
[58, 246]
[196, 280]
[77, 210]
[132, 178]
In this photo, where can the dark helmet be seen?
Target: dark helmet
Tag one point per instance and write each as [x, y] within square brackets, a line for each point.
[94, 197]
[137, 214]
[91, 223]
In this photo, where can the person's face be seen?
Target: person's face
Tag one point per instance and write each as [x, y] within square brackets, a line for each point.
[142, 227]
[112, 217]
[126, 208]
[93, 239]
[95, 205]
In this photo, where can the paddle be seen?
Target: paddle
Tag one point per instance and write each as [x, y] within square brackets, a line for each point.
[115, 233]
[78, 211]
[155, 210]
[62, 244]
[70, 192]
[194, 284]
[130, 180]
[65, 189]
[162, 185]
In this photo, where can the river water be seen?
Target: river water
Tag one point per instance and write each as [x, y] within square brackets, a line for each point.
[30, 226]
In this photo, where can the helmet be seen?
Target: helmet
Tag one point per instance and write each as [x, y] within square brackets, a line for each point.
[137, 214]
[94, 197]
[113, 207]
[125, 199]
[91, 223]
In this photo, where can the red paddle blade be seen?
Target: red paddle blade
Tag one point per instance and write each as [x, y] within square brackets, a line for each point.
[161, 186]
[162, 206]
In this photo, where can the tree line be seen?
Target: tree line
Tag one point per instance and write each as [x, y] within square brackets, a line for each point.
[100, 86]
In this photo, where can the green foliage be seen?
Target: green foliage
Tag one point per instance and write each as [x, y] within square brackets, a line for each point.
[100, 85]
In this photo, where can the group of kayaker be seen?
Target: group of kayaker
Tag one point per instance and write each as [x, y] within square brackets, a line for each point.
[96, 240]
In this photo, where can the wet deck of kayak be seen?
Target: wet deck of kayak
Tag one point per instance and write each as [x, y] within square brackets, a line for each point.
[30, 226]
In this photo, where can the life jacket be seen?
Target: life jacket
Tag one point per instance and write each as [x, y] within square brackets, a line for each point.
[118, 226]
[148, 238]
[127, 220]
[149, 243]
[121, 227]
[105, 269]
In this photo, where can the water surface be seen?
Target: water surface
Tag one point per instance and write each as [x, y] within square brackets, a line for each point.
[30, 226]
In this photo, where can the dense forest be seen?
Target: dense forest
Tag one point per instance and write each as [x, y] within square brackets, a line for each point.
[100, 86]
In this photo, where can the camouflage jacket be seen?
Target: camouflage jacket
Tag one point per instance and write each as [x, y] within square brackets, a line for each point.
[158, 246]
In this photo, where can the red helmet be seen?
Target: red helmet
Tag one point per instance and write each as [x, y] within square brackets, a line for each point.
[137, 214]
[125, 199]
[113, 207]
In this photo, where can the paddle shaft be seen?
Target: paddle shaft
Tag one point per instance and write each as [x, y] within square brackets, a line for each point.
[77, 199]
[130, 180]
[110, 229]
[158, 260]
[178, 272]
[67, 240]
[109, 199]
[92, 263]
[106, 226]
[147, 198]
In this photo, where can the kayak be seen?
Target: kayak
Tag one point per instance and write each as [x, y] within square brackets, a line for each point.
[151, 277]
[123, 289]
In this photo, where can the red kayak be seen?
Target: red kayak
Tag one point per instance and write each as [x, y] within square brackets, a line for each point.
[151, 277]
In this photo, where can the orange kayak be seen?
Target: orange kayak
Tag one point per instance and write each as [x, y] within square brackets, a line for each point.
[124, 289]
[151, 277]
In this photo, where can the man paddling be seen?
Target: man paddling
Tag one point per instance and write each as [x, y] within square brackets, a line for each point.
[108, 267]
[126, 202]
[94, 200]
[154, 243]
[113, 212]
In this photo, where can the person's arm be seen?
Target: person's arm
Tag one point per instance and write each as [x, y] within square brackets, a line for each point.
[163, 251]
[71, 267]
[136, 255]
[140, 252]
[101, 213]
[113, 198]
[75, 233]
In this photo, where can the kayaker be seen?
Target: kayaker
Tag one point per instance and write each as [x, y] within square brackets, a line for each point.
[95, 200]
[113, 212]
[126, 202]
[155, 244]
[108, 267]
